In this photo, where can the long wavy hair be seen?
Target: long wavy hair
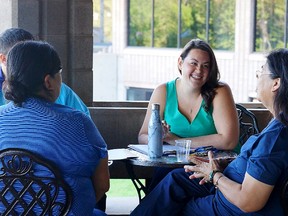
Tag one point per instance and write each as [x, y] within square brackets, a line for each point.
[277, 61]
[208, 90]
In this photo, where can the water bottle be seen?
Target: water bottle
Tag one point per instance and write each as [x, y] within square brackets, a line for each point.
[155, 144]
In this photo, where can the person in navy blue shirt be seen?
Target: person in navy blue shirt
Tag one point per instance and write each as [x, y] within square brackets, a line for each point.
[250, 184]
[12, 36]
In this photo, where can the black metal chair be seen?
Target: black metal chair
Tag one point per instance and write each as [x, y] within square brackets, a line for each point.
[30, 185]
[247, 122]
[284, 196]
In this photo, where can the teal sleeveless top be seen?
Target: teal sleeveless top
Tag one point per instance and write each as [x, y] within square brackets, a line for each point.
[202, 125]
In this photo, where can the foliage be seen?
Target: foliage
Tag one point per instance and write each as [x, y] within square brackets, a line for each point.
[193, 22]
[270, 25]
[106, 15]
[140, 23]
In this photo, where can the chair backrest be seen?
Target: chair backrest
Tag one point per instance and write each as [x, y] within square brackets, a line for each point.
[284, 196]
[247, 122]
[30, 185]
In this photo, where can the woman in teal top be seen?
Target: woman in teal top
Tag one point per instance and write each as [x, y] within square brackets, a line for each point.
[203, 123]
[196, 105]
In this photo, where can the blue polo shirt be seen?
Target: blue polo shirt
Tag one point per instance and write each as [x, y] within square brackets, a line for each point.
[67, 97]
[2, 78]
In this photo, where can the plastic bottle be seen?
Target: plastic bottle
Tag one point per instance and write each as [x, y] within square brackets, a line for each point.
[155, 143]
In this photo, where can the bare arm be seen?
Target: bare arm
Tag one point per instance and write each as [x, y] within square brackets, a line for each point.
[158, 96]
[250, 196]
[101, 178]
[225, 120]
[224, 115]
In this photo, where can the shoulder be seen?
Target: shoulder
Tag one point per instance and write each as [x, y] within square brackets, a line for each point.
[160, 89]
[65, 89]
[223, 91]
[69, 98]
[223, 88]
[166, 86]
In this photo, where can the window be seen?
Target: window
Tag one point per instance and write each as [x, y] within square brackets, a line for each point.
[102, 24]
[270, 27]
[139, 94]
[170, 23]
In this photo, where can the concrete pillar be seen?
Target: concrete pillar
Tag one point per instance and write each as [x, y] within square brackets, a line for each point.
[67, 25]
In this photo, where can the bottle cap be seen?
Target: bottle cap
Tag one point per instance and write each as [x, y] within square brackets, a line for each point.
[156, 106]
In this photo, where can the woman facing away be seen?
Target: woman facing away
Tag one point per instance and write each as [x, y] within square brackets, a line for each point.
[250, 184]
[66, 137]
[195, 106]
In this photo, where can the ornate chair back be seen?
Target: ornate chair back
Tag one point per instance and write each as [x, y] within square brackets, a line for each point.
[30, 185]
[247, 122]
[284, 196]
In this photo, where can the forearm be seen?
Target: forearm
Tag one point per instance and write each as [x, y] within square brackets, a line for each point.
[143, 138]
[101, 179]
[228, 188]
[235, 194]
[218, 141]
[99, 194]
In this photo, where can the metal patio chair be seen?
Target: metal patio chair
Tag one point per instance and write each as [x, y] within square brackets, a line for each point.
[30, 185]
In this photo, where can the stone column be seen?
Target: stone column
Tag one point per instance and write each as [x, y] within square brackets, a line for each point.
[67, 25]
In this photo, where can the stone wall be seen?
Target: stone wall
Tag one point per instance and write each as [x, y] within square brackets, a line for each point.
[67, 25]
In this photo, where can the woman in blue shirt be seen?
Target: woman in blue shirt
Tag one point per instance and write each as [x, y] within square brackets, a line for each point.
[249, 185]
[63, 135]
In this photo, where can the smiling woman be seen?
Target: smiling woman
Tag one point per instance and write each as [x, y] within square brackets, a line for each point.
[195, 106]
[198, 90]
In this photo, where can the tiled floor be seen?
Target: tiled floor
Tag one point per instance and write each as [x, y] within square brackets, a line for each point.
[120, 205]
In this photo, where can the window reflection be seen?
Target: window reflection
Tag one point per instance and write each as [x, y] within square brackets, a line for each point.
[270, 25]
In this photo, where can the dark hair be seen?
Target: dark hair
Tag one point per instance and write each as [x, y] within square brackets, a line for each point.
[28, 63]
[12, 36]
[208, 91]
[277, 61]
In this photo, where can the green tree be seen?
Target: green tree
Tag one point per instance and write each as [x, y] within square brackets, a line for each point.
[270, 25]
[140, 23]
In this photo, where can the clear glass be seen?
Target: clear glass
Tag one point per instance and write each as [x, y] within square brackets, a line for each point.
[139, 23]
[222, 24]
[102, 24]
[182, 150]
[193, 23]
[270, 23]
[165, 23]
[193, 20]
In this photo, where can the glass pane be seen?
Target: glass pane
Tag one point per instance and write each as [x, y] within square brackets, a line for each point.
[140, 14]
[270, 18]
[222, 24]
[165, 23]
[102, 23]
[193, 20]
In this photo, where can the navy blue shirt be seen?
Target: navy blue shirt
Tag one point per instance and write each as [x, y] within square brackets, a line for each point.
[265, 158]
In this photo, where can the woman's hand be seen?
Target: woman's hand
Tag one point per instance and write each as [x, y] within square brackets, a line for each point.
[168, 137]
[203, 169]
[165, 128]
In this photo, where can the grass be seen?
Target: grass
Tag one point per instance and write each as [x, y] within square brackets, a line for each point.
[122, 188]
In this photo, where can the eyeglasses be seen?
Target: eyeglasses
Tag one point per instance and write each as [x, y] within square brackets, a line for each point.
[259, 73]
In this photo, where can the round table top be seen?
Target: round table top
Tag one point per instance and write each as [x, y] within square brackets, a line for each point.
[171, 160]
[164, 161]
